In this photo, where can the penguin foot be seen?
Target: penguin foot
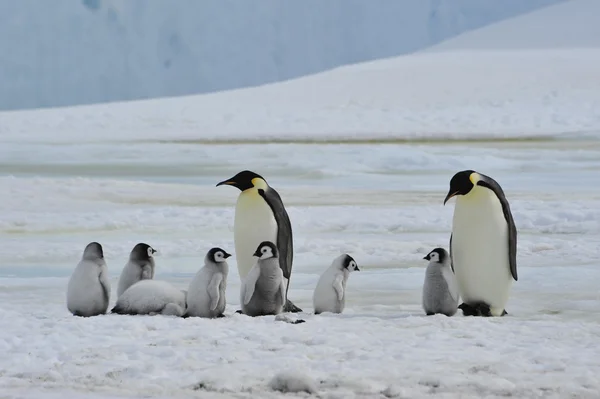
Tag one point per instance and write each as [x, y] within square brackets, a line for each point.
[477, 309]
[504, 312]
[430, 313]
[239, 311]
[220, 316]
[290, 307]
[299, 321]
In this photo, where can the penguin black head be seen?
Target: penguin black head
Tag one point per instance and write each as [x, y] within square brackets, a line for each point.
[462, 183]
[218, 255]
[245, 180]
[266, 250]
[142, 252]
[438, 255]
[93, 251]
[350, 264]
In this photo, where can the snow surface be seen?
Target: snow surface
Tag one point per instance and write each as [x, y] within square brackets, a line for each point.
[68, 52]
[116, 174]
[382, 203]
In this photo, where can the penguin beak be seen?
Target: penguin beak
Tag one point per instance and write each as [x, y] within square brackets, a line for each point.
[450, 195]
[357, 269]
[226, 255]
[226, 182]
[426, 257]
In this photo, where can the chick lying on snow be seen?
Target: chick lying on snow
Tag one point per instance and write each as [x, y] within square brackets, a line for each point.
[289, 381]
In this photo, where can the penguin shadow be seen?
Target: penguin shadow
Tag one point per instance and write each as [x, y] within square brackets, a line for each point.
[280, 317]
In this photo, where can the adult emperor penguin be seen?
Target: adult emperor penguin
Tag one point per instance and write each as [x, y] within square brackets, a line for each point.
[260, 216]
[88, 290]
[483, 244]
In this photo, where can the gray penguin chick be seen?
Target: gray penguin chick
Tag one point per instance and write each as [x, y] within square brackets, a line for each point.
[206, 293]
[440, 290]
[330, 292]
[88, 290]
[263, 291]
[139, 267]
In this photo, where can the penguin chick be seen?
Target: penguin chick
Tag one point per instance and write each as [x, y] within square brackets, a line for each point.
[150, 297]
[263, 291]
[330, 293]
[206, 293]
[88, 290]
[139, 267]
[440, 290]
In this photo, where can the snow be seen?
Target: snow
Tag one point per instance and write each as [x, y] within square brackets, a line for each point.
[384, 207]
[123, 173]
[565, 25]
[74, 52]
[540, 92]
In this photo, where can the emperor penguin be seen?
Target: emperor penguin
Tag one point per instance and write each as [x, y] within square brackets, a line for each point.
[260, 216]
[330, 292]
[206, 293]
[483, 244]
[151, 297]
[88, 290]
[140, 266]
[440, 290]
[263, 291]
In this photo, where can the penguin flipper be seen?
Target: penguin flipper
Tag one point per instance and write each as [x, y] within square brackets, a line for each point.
[213, 290]
[105, 284]
[285, 244]
[338, 287]
[250, 284]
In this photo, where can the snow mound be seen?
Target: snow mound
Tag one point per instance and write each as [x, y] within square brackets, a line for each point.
[293, 381]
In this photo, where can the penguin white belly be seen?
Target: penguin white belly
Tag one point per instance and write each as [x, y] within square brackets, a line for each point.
[254, 223]
[480, 249]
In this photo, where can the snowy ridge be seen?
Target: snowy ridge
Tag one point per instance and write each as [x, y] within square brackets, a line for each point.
[448, 95]
[572, 24]
[89, 51]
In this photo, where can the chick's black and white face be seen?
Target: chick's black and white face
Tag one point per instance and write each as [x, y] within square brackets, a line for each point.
[434, 257]
[266, 250]
[438, 255]
[151, 252]
[218, 255]
[350, 264]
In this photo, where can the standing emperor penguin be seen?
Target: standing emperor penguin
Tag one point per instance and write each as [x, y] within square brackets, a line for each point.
[260, 216]
[139, 267]
[483, 244]
[88, 291]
